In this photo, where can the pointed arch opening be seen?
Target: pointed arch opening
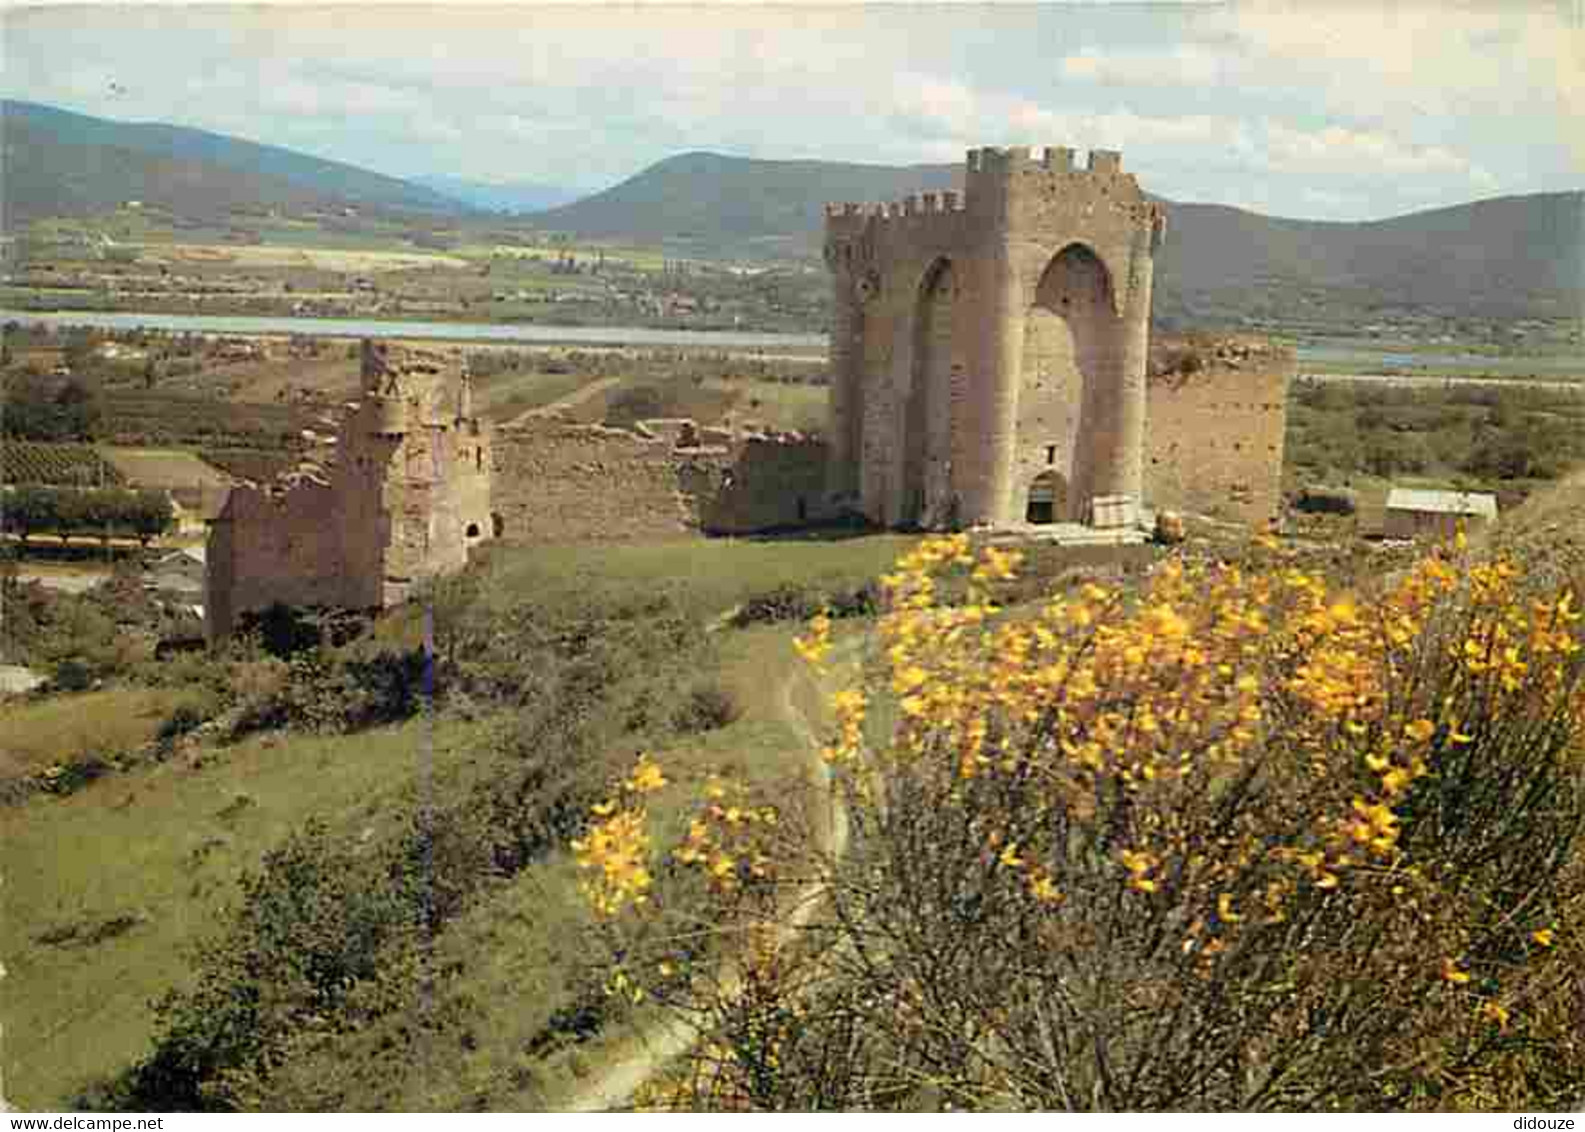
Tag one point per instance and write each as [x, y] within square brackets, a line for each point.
[926, 441]
[1071, 332]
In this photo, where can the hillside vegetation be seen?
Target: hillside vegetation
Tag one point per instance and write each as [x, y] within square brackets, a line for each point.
[61, 163]
[336, 881]
[1506, 257]
[1242, 838]
[714, 200]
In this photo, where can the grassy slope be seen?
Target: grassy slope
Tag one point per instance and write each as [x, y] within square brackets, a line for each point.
[525, 952]
[1547, 531]
[164, 846]
[712, 575]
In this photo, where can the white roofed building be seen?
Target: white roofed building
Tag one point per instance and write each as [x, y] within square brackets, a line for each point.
[1423, 513]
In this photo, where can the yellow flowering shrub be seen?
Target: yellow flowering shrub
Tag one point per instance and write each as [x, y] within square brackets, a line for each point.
[1235, 838]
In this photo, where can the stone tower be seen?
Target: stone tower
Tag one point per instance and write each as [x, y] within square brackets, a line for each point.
[407, 498]
[414, 470]
[989, 350]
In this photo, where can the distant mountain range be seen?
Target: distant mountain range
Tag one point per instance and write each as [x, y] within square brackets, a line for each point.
[59, 163]
[513, 197]
[1505, 257]
[715, 200]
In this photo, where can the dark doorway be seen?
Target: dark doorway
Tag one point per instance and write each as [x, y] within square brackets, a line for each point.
[1048, 499]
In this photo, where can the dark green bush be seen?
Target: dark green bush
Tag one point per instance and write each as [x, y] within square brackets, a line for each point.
[73, 675]
[183, 719]
[706, 708]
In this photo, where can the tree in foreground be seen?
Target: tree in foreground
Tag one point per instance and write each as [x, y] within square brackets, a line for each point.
[1235, 841]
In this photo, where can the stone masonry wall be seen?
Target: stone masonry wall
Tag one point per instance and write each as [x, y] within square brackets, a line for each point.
[276, 547]
[1214, 436]
[557, 482]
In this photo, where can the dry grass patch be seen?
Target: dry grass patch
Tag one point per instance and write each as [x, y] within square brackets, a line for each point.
[163, 468]
[66, 729]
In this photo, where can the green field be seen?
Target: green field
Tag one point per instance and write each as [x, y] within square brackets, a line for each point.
[158, 851]
[509, 395]
[710, 577]
[785, 405]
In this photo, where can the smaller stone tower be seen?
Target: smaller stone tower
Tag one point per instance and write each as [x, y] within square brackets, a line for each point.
[407, 497]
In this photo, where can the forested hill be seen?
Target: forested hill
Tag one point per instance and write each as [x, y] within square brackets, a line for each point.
[60, 163]
[1503, 257]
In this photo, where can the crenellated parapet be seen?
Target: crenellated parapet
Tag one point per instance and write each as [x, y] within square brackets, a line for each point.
[860, 235]
[1049, 159]
[1007, 192]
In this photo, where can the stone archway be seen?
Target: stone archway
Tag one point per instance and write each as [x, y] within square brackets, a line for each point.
[925, 442]
[1071, 337]
[1048, 498]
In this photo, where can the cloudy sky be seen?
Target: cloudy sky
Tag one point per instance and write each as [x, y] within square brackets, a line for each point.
[1322, 109]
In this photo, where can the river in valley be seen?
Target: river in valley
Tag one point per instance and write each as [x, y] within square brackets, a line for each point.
[1362, 356]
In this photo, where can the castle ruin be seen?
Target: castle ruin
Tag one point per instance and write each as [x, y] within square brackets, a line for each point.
[991, 365]
[989, 350]
[406, 497]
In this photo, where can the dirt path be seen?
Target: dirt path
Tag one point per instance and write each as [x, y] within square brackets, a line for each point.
[669, 1039]
[570, 401]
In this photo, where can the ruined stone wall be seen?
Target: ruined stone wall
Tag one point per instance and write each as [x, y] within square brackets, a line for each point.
[557, 482]
[276, 546]
[416, 469]
[406, 497]
[1214, 436]
[757, 485]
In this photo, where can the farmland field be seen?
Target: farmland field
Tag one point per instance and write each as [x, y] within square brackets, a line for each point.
[158, 419]
[163, 468]
[247, 463]
[65, 465]
[315, 258]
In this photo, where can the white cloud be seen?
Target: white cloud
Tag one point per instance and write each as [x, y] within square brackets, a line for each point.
[1321, 107]
[1182, 65]
[1338, 149]
[1376, 61]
